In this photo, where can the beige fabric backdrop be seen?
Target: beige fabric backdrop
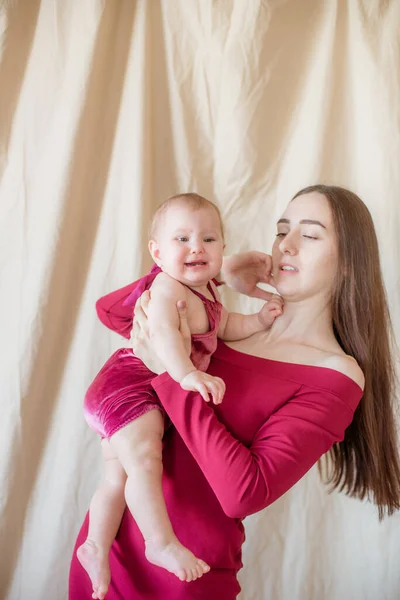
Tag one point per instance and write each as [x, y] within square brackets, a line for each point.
[108, 107]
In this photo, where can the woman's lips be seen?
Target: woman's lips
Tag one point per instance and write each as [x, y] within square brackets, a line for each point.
[287, 268]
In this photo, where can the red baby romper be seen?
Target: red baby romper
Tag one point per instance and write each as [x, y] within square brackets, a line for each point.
[122, 391]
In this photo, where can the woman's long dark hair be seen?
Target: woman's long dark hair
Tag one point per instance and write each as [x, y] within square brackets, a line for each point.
[366, 464]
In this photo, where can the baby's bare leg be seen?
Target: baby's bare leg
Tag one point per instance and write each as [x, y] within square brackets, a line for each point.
[106, 510]
[139, 448]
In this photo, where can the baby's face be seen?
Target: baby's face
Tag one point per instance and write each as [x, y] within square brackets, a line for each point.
[189, 245]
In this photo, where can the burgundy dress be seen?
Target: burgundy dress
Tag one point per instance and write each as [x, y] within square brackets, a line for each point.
[222, 463]
[122, 391]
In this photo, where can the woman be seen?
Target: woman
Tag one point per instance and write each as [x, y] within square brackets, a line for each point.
[321, 379]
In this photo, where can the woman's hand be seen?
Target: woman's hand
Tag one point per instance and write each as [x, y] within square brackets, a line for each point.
[142, 344]
[242, 272]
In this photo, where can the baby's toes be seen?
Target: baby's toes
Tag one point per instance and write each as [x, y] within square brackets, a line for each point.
[189, 575]
[199, 571]
[182, 575]
[204, 566]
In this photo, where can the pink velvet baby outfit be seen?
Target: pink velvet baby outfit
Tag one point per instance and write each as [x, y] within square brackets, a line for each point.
[122, 390]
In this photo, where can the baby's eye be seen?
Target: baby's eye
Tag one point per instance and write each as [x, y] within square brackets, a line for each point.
[209, 239]
[310, 237]
[182, 238]
[281, 234]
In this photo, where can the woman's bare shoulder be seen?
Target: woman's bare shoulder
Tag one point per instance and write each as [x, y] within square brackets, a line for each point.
[344, 364]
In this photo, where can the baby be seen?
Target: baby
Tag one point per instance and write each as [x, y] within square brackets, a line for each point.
[186, 244]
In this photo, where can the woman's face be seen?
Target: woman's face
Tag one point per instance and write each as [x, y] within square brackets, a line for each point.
[304, 254]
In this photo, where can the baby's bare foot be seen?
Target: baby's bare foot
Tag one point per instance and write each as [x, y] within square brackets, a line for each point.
[95, 562]
[176, 559]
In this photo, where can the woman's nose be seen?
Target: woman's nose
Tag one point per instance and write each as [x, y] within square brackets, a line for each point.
[288, 245]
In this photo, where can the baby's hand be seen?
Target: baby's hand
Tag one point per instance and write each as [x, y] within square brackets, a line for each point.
[270, 311]
[197, 381]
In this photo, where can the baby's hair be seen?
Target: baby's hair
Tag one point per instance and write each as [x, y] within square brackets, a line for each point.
[191, 200]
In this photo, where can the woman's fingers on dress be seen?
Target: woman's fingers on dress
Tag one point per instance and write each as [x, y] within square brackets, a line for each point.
[145, 300]
[135, 331]
[140, 317]
[137, 308]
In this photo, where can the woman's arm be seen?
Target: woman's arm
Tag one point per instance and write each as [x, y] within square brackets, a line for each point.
[289, 443]
[247, 479]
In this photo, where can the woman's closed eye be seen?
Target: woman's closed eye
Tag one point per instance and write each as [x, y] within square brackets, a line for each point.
[281, 234]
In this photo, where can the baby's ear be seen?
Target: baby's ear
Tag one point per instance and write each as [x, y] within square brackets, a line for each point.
[155, 252]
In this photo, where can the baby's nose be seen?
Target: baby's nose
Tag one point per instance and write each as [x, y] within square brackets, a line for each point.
[197, 247]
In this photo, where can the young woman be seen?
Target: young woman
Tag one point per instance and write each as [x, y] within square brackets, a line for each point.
[321, 379]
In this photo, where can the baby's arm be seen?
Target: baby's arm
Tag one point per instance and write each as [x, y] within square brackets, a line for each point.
[164, 326]
[235, 326]
[164, 329]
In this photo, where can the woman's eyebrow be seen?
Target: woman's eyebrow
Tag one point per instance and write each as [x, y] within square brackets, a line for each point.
[304, 222]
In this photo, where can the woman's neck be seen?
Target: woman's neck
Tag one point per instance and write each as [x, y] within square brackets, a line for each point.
[303, 334]
[307, 322]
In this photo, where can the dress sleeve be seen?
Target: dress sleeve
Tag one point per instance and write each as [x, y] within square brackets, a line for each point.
[113, 314]
[247, 479]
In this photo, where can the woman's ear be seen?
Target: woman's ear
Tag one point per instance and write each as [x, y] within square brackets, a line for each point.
[155, 252]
